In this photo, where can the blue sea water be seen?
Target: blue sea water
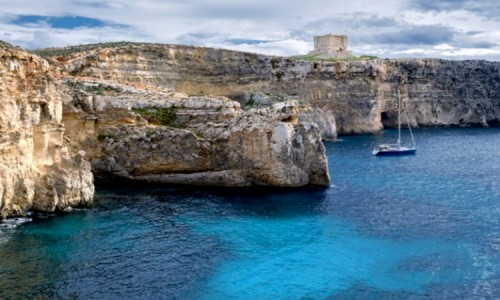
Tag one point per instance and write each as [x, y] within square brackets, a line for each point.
[410, 227]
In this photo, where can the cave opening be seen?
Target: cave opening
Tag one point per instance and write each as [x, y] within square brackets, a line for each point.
[384, 118]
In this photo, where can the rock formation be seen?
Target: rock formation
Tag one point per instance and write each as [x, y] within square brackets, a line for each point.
[37, 170]
[361, 95]
[125, 108]
[160, 136]
[51, 129]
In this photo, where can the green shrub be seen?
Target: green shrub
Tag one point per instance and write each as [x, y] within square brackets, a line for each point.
[317, 57]
[99, 89]
[158, 116]
[250, 103]
[275, 63]
[279, 75]
[102, 137]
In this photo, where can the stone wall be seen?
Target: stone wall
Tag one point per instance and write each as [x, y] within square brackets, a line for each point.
[329, 43]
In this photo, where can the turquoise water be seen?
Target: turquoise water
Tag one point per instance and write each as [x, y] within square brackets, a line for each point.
[420, 227]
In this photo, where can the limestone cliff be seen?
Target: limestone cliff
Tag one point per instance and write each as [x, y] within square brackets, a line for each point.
[160, 136]
[361, 95]
[37, 170]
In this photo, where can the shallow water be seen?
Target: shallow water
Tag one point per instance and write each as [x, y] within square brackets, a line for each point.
[421, 227]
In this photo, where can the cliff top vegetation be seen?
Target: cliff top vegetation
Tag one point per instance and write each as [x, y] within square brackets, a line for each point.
[319, 57]
[5, 45]
[65, 51]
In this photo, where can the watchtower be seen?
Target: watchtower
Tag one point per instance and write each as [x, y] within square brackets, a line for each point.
[330, 45]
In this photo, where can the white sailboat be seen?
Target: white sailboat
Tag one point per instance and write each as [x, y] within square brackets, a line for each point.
[397, 149]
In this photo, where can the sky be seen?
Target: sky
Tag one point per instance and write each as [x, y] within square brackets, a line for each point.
[448, 29]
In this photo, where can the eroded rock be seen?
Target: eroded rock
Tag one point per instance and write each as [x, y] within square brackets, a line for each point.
[37, 170]
[361, 95]
[208, 141]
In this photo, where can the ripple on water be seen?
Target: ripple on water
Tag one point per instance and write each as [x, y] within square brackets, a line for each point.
[424, 226]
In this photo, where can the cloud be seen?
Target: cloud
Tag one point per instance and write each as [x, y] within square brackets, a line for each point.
[237, 9]
[441, 5]
[390, 29]
[406, 34]
[44, 38]
[281, 48]
[487, 8]
[237, 41]
[359, 26]
[194, 39]
[401, 36]
[369, 28]
[450, 52]
[67, 22]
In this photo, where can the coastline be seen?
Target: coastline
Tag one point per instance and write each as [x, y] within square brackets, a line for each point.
[180, 114]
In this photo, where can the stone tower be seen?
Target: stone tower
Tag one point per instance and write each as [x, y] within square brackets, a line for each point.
[331, 46]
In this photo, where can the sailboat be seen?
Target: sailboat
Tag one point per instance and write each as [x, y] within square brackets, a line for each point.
[397, 149]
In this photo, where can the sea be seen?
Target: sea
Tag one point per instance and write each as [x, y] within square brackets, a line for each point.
[424, 226]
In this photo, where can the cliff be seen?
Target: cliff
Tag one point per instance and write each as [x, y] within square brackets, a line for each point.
[359, 95]
[160, 136]
[177, 114]
[362, 94]
[54, 121]
[37, 170]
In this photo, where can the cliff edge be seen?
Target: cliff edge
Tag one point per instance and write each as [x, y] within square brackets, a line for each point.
[37, 169]
[359, 95]
[58, 130]
[161, 136]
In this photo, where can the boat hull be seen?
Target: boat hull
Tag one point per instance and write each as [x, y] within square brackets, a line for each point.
[395, 152]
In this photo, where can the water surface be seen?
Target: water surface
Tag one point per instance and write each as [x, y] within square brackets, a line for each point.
[421, 227]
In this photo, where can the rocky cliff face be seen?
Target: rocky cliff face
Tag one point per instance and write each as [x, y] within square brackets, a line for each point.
[124, 106]
[160, 136]
[360, 95]
[37, 170]
[50, 129]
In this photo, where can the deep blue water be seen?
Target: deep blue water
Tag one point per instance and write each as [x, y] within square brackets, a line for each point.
[419, 227]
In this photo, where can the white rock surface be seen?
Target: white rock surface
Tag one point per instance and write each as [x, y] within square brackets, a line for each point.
[37, 170]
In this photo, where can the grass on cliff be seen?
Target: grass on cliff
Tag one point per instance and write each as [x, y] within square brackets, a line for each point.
[158, 116]
[317, 57]
[96, 88]
[66, 51]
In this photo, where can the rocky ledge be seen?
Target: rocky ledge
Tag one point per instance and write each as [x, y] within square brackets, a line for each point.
[359, 95]
[161, 136]
[57, 133]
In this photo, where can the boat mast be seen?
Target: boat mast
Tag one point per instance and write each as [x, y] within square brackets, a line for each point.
[399, 119]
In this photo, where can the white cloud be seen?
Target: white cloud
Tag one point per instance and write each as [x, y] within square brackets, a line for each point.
[448, 52]
[280, 48]
[391, 28]
[443, 47]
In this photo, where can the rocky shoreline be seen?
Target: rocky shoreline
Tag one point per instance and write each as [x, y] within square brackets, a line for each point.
[201, 116]
[58, 132]
[359, 95]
